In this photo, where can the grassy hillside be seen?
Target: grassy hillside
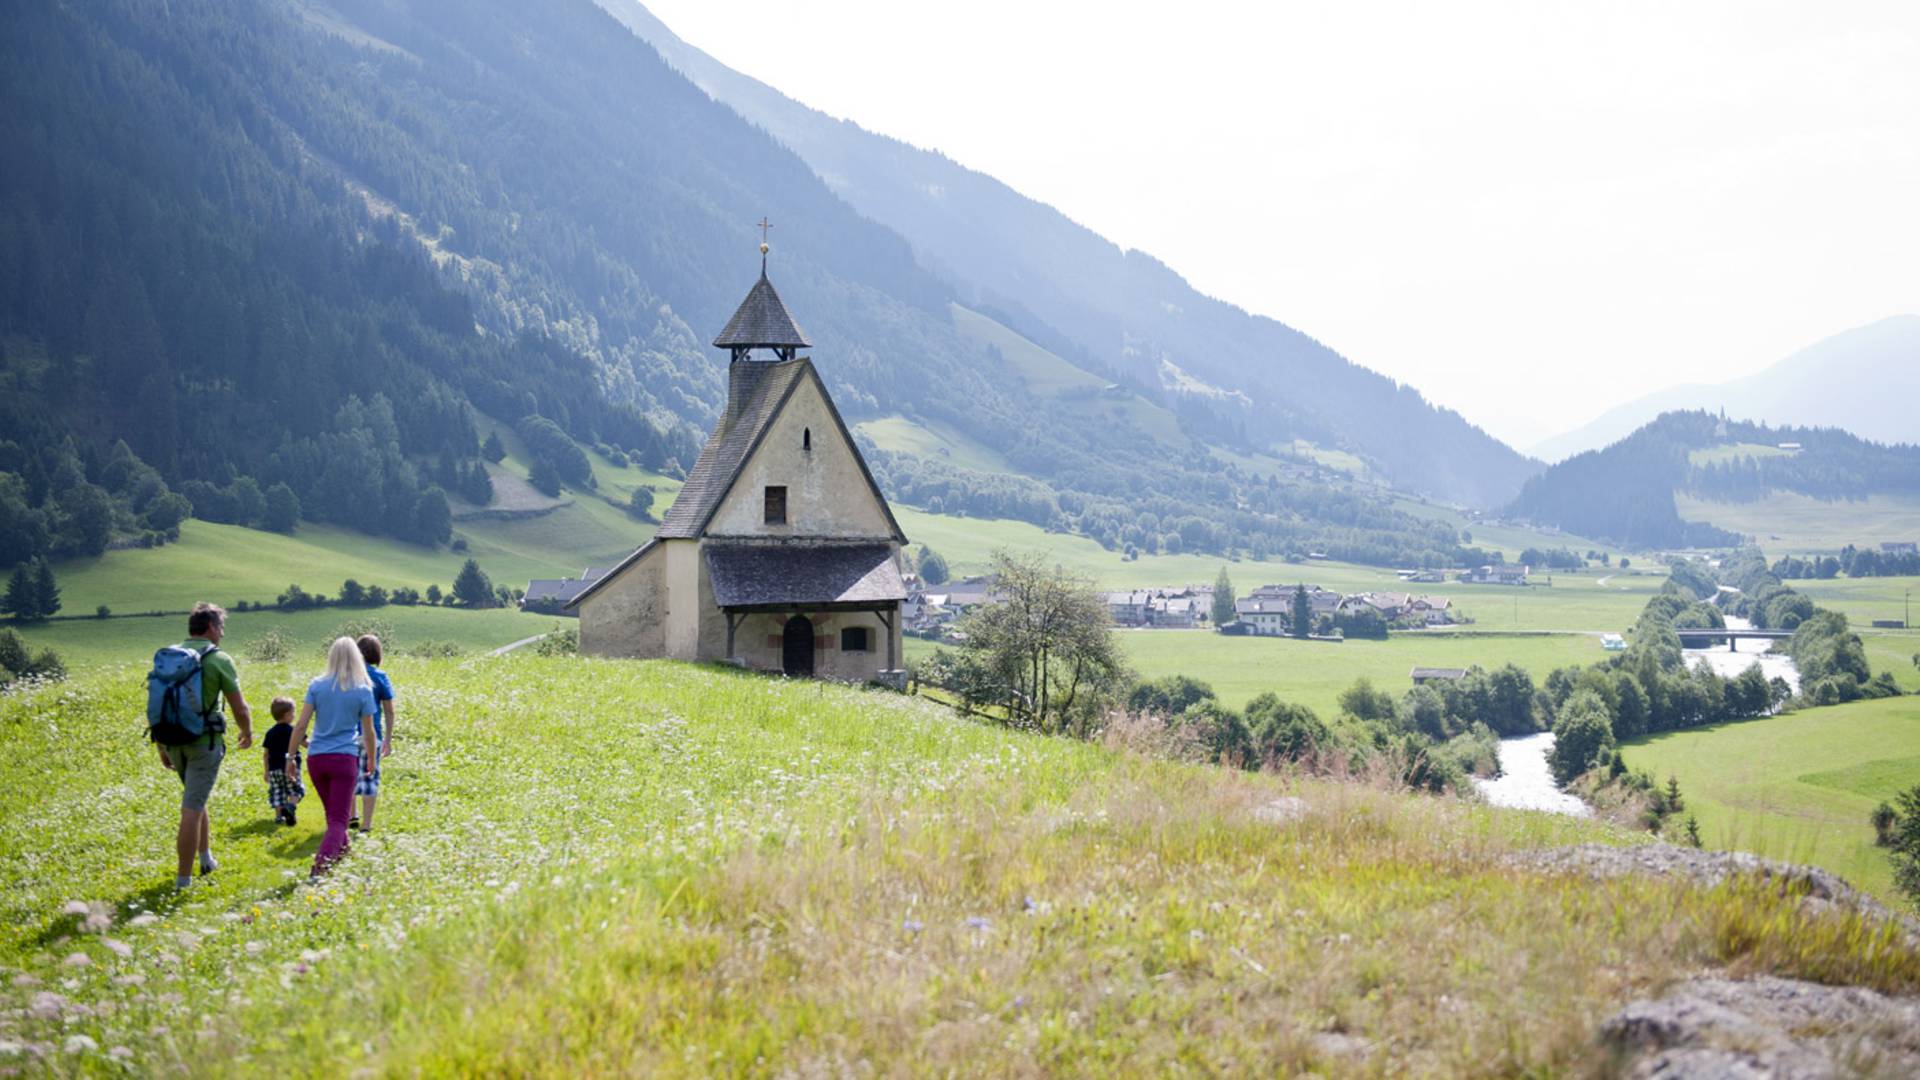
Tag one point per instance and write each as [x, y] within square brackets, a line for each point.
[88, 643]
[1786, 523]
[1798, 786]
[1048, 376]
[770, 877]
[931, 439]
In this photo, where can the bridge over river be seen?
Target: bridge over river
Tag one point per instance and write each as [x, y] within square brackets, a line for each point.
[1702, 637]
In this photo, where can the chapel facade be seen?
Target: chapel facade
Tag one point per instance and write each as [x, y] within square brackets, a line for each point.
[780, 553]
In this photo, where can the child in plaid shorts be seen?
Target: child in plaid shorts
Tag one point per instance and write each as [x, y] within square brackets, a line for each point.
[283, 792]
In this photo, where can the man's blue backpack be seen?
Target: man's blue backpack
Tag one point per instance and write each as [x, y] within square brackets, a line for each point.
[177, 711]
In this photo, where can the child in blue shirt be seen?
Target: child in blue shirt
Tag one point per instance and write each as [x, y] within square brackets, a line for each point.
[368, 787]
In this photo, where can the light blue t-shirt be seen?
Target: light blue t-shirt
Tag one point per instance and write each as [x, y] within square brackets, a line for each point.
[336, 717]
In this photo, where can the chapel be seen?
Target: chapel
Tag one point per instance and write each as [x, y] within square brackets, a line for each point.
[780, 553]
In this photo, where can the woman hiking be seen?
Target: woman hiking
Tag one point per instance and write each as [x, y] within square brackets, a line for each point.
[340, 708]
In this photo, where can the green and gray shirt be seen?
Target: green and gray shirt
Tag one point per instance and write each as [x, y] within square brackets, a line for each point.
[218, 678]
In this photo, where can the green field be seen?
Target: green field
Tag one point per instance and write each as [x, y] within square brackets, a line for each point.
[602, 867]
[1797, 786]
[1785, 523]
[1865, 599]
[1313, 673]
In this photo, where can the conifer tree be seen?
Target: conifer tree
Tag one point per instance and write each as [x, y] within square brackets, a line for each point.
[1302, 612]
[472, 587]
[20, 601]
[493, 450]
[1223, 611]
[46, 592]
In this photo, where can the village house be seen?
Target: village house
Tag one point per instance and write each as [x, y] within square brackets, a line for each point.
[1264, 616]
[552, 595]
[1496, 574]
[780, 553]
[1432, 610]
[1424, 675]
[1128, 608]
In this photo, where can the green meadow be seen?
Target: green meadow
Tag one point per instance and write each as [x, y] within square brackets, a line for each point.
[1797, 786]
[1786, 523]
[1313, 673]
[618, 868]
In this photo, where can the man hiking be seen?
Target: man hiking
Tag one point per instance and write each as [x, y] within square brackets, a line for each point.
[197, 763]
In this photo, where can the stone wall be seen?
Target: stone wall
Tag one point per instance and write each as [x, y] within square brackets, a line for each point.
[626, 617]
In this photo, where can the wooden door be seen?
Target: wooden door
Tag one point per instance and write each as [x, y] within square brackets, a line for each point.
[796, 647]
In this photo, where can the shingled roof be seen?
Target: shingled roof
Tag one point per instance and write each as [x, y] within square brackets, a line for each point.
[803, 574]
[755, 392]
[762, 322]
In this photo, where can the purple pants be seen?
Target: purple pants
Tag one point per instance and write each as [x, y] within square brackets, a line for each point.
[333, 778]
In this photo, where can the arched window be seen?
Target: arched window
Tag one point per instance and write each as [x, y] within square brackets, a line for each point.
[806, 438]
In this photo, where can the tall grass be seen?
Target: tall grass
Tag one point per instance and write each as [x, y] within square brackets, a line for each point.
[588, 867]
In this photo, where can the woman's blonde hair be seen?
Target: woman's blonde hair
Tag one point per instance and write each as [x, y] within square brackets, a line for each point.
[344, 665]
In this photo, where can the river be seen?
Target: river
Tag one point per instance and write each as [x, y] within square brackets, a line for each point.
[1525, 782]
[1729, 664]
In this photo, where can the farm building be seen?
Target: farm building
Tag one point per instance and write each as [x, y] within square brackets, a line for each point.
[780, 553]
[1423, 675]
[1496, 574]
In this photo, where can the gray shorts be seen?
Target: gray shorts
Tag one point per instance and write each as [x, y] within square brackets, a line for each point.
[198, 766]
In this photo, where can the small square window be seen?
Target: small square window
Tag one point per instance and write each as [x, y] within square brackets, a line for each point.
[856, 639]
[776, 505]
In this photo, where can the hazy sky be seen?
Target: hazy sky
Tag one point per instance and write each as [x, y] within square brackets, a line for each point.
[1529, 211]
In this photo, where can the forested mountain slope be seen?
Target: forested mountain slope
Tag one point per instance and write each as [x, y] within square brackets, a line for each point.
[1819, 386]
[295, 246]
[1121, 313]
[1626, 491]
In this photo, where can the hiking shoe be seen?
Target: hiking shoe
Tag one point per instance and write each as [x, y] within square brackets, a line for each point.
[354, 822]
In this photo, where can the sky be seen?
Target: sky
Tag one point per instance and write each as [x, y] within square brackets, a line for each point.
[1529, 211]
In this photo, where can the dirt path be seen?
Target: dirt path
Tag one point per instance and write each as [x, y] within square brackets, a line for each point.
[505, 649]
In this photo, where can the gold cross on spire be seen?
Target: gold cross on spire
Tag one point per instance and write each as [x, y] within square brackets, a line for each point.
[764, 226]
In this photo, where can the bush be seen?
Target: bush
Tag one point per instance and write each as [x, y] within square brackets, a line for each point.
[1904, 843]
[560, 642]
[1883, 820]
[273, 646]
[434, 650]
[15, 663]
[102, 612]
[357, 628]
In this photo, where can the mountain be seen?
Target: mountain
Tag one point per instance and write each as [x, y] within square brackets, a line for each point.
[299, 245]
[1820, 386]
[1122, 314]
[1625, 492]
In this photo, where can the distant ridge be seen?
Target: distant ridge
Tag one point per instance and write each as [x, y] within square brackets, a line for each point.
[1865, 380]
